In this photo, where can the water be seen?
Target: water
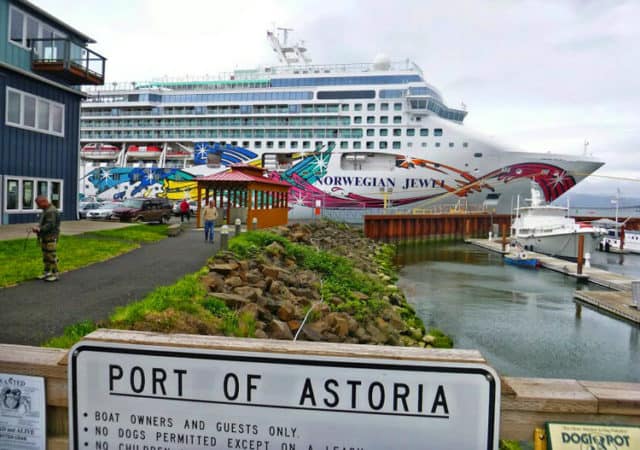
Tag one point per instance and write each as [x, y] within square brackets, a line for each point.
[523, 321]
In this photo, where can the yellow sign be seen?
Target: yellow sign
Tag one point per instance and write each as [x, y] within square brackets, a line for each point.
[575, 436]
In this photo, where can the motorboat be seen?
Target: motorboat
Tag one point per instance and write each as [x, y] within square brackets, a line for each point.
[616, 238]
[519, 257]
[548, 229]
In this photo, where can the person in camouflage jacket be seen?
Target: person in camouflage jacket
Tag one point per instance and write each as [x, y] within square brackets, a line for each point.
[48, 230]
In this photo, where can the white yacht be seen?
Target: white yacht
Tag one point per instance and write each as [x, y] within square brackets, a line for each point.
[347, 136]
[548, 229]
[616, 238]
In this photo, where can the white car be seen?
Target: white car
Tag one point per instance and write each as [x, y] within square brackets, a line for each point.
[104, 211]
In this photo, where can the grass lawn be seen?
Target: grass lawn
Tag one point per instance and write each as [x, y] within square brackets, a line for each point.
[20, 262]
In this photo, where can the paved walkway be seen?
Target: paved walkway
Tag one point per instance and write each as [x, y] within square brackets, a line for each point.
[35, 311]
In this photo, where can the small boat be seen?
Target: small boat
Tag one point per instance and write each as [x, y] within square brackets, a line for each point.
[549, 229]
[518, 257]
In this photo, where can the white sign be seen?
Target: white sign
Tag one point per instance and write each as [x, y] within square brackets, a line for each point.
[144, 397]
[22, 412]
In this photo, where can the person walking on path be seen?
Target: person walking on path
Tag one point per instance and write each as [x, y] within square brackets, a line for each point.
[184, 211]
[209, 216]
[48, 231]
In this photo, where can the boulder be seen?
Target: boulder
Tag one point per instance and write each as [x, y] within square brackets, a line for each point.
[274, 249]
[213, 281]
[223, 268]
[233, 281]
[233, 301]
[279, 330]
[249, 292]
[286, 311]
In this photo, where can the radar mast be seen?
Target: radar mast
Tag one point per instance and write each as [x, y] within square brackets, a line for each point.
[289, 55]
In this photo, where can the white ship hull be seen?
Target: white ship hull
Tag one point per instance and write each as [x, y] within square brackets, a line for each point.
[561, 245]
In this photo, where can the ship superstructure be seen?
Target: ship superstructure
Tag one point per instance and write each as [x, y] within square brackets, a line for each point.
[352, 135]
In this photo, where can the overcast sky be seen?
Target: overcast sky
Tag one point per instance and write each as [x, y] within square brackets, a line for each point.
[543, 75]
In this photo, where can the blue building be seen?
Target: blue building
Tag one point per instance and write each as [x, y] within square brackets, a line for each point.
[43, 63]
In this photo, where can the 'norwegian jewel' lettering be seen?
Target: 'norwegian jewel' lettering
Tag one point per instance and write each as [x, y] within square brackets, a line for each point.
[357, 181]
[375, 396]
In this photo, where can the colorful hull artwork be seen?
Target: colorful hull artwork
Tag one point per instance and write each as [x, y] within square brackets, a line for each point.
[318, 176]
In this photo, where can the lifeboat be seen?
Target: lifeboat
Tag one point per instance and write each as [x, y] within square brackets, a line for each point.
[143, 152]
[99, 151]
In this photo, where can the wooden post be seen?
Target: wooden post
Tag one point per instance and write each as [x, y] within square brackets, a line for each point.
[621, 239]
[503, 231]
[578, 310]
[580, 253]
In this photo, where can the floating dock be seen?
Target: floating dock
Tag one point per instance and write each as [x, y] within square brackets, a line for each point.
[618, 303]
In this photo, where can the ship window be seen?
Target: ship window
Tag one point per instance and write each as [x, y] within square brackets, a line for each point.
[357, 119]
[397, 119]
[383, 145]
[371, 106]
[345, 107]
[397, 132]
[357, 107]
[344, 144]
[306, 144]
[384, 119]
[281, 144]
[396, 145]
[269, 144]
[437, 132]
[424, 132]
[411, 131]
[371, 119]
[450, 144]
[465, 144]
[257, 144]
[369, 144]
[245, 144]
[397, 106]
[370, 131]
[384, 132]
[335, 95]
[384, 107]
[477, 155]
[437, 144]
[424, 144]
[294, 144]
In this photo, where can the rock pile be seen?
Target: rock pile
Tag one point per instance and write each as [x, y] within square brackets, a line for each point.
[277, 292]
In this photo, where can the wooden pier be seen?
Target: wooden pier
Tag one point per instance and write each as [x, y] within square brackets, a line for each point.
[618, 303]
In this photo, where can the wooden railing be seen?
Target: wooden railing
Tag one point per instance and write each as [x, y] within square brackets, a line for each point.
[526, 403]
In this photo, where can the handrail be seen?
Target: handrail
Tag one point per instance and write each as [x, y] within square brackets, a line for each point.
[47, 50]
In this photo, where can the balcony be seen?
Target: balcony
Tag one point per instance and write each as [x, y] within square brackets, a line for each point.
[67, 61]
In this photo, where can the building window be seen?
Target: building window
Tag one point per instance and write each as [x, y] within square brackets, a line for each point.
[397, 106]
[411, 131]
[23, 28]
[34, 113]
[437, 132]
[424, 132]
[21, 193]
[371, 119]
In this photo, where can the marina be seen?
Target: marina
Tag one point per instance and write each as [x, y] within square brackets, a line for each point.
[525, 322]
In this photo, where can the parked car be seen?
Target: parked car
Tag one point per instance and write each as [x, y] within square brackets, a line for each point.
[193, 208]
[104, 211]
[86, 207]
[144, 210]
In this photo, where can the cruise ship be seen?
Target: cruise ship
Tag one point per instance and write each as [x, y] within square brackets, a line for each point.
[370, 135]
